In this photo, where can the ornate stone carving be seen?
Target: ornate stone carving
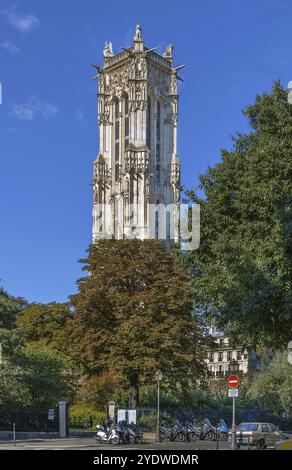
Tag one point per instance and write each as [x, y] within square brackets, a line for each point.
[168, 52]
[158, 82]
[173, 84]
[119, 82]
[104, 111]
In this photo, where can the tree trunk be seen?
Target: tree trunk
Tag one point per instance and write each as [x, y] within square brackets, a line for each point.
[134, 382]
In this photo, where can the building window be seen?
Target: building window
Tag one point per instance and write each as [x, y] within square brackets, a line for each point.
[221, 343]
[156, 225]
[117, 141]
[238, 355]
[148, 135]
[127, 127]
[220, 356]
[167, 225]
[229, 355]
[211, 357]
[158, 132]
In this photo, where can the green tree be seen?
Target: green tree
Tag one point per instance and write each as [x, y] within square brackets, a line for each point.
[134, 314]
[44, 323]
[243, 269]
[36, 377]
[10, 307]
[272, 388]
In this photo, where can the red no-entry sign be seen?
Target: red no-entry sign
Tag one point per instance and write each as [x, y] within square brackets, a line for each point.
[233, 381]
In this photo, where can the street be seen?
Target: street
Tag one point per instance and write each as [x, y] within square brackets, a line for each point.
[88, 443]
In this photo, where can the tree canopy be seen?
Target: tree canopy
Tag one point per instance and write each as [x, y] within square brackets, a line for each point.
[10, 307]
[243, 269]
[272, 388]
[134, 314]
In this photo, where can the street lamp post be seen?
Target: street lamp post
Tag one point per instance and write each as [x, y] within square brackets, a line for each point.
[158, 378]
[234, 367]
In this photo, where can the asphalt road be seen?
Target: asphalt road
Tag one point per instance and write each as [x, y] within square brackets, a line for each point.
[88, 443]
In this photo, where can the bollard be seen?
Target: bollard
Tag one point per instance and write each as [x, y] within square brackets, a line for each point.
[14, 435]
[63, 418]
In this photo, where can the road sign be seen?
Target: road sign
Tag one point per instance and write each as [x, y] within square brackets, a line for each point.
[233, 392]
[233, 381]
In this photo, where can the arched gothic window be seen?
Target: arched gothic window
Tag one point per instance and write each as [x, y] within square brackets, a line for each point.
[158, 149]
[148, 134]
[127, 129]
[117, 141]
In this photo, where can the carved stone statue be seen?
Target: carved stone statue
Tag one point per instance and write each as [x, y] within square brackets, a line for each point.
[108, 50]
[138, 33]
[168, 52]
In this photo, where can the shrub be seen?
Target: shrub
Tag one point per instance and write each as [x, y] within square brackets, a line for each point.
[82, 414]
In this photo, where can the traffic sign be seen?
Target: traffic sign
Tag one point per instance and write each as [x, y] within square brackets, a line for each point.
[233, 381]
[233, 392]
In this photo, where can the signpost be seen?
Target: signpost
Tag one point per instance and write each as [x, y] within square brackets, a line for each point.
[158, 377]
[233, 382]
[233, 393]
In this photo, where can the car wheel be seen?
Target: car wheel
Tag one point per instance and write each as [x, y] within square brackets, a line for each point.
[261, 444]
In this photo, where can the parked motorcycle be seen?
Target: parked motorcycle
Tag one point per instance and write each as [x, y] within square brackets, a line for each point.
[130, 434]
[205, 430]
[108, 432]
[174, 433]
[222, 430]
[190, 432]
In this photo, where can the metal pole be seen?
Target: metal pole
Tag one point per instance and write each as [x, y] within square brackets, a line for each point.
[14, 435]
[158, 412]
[233, 432]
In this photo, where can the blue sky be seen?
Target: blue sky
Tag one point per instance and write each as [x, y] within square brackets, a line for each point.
[48, 130]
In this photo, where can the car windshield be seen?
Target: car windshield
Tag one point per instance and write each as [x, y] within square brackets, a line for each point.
[247, 427]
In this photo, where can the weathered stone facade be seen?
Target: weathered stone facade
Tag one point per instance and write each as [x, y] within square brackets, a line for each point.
[137, 165]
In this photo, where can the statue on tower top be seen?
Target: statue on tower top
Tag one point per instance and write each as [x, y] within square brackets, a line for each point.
[108, 49]
[168, 52]
[138, 33]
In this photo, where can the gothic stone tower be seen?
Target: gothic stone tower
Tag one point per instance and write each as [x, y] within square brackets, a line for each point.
[137, 168]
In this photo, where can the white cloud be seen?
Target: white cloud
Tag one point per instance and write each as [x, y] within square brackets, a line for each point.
[24, 22]
[34, 108]
[9, 46]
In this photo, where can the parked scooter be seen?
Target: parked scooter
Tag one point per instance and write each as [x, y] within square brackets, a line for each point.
[108, 432]
[205, 430]
[130, 434]
[222, 430]
[190, 432]
[175, 433]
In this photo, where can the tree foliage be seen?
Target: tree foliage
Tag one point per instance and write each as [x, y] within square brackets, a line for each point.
[45, 323]
[272, 388]
[243, 268]
[10, 307]
[134, 314]
[36, 377]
